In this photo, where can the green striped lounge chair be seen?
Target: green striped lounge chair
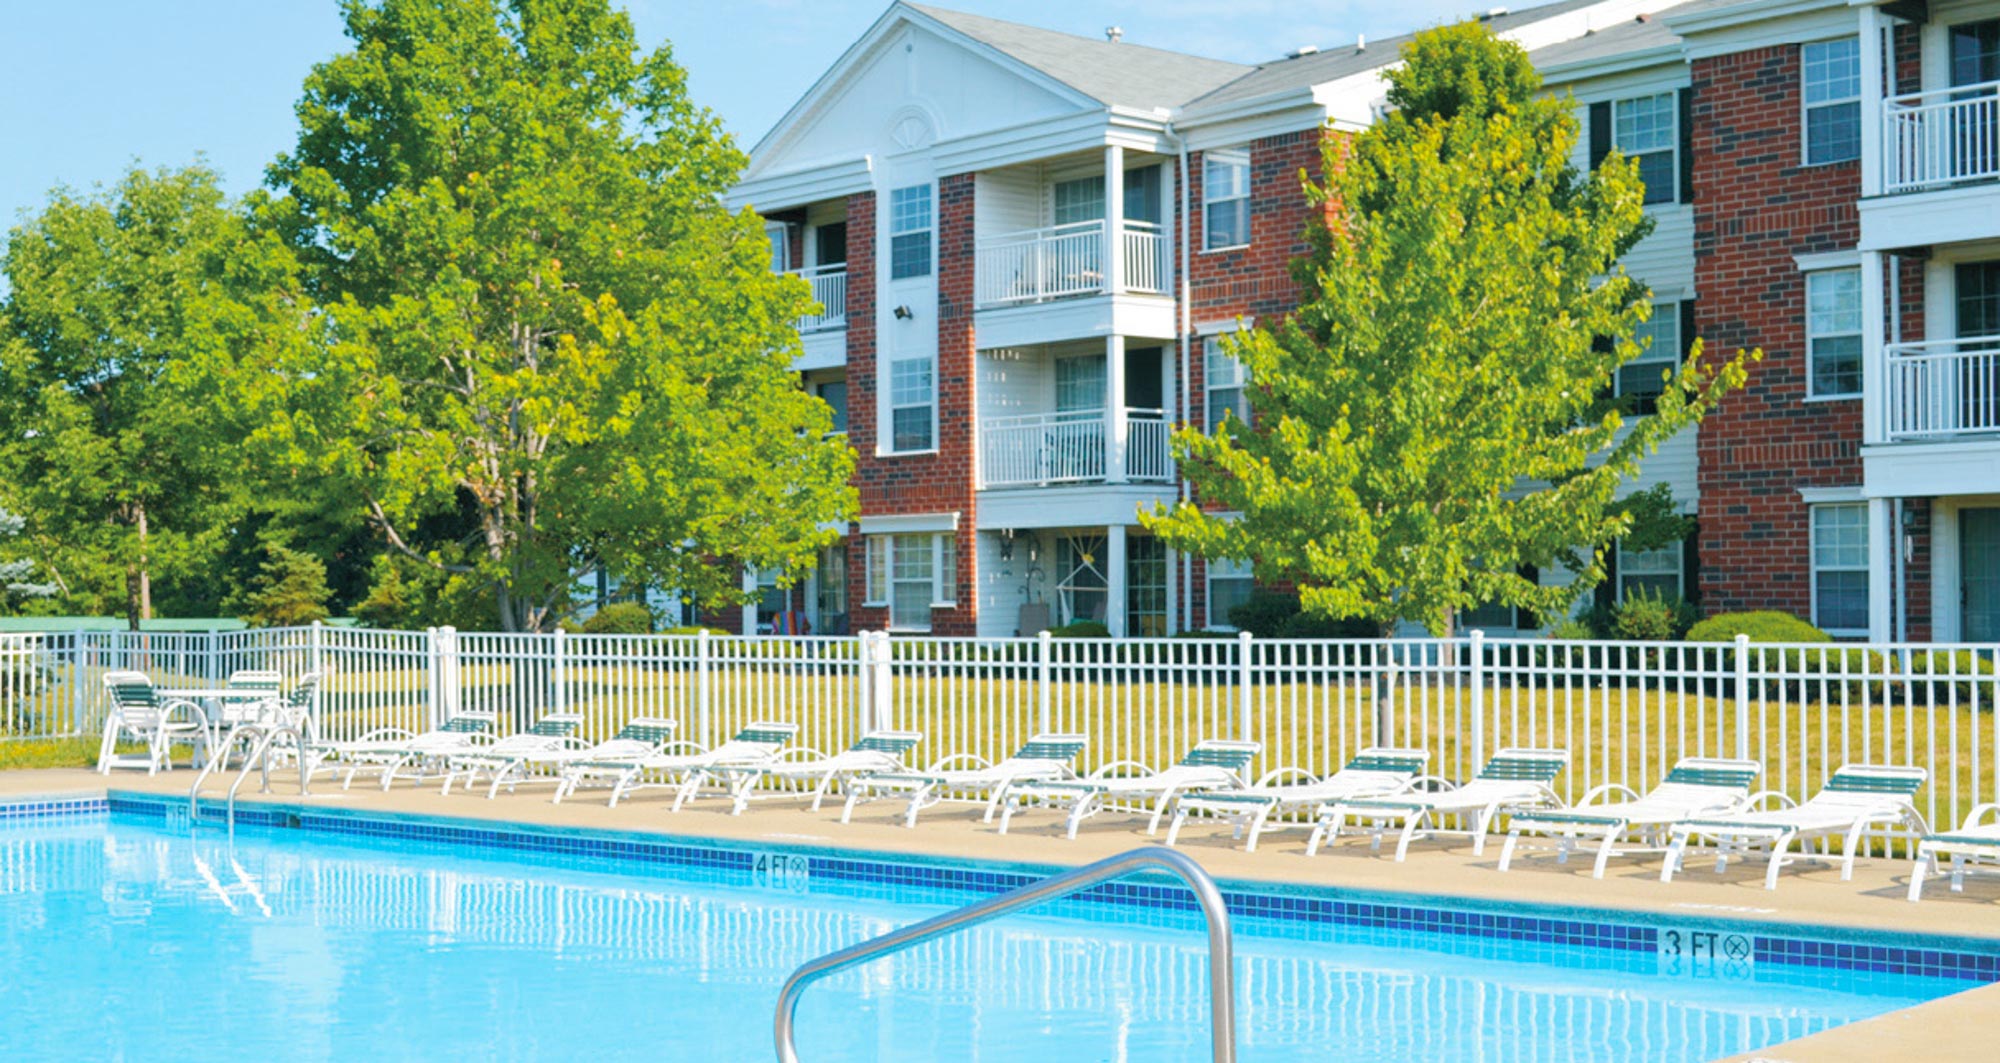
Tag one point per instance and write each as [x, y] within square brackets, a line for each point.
[392, 751]
[508, 761]
[1041, 758]
[1513, 778]
[1213, 765]
[138, 714]
[1974, 846]
[1697, 786]
[1857, 798]
[795, 769]
[599, 764]
[1376, 770]
[686, 767]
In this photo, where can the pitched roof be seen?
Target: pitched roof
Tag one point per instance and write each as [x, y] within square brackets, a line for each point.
[1130, 75]
[1637, 35]
[1332, 64]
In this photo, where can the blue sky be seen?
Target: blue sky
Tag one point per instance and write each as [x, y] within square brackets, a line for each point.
[90, 86]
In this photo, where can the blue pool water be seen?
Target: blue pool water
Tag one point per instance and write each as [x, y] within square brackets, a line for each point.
[122, 937]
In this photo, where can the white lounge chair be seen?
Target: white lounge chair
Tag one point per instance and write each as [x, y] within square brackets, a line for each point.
[641, 736]
[1859, 796]
[1697, 786]
[678, 761]
[389, 750]
[871, 754]
[507, 761]
[1513, 778]
[1974, 846]
[1045, 756]
[1374, 771]
[1212, 765]
[755, 746]
[139, 714]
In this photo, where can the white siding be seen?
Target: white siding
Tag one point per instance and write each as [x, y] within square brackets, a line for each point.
[1003, 584]
[1007, 201]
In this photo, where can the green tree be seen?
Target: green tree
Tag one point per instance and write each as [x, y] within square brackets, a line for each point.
[1433, 418]
[537, 309]
[290, 590]
[113, 451]
[15, 575]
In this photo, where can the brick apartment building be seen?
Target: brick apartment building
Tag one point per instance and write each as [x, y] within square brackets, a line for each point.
[1009, 337]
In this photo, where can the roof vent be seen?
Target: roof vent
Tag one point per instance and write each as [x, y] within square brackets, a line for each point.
[1114, 33]
[1303, 50]
[1360, 42]
[1492, 13]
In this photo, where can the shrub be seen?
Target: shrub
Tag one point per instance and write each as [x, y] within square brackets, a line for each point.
[1264, 613]
[1081, 629]
[1311, 626]
[1761, 626]
[620, 618]
[1650, 617]
[1572, 630]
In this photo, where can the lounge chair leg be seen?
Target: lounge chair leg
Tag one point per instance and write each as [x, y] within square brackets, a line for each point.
[1917, 869]
[847, 806]
[1082, 809]
[1174, 827]
[1778, 847]
[916, 805]
[1007, 815]
[1159, 813]
[1604, 852]
[1507, 847]
[1847, 855]
[819, 792]
[1254, 828]
[993, 803]
[688, 788]
[1482, 820]
[1321, 829]
[1676, 843]
[1409, 834]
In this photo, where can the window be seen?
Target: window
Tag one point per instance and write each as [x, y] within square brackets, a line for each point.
[1227, 383]
[1832, 71]
[912, 574]
[1079, 201]
[1080, 384]
[1644, 129]
[1229, 585]
[1641, 380]
[1225, 199]
[781, 245]
[1657, 573]
[831, 589]
[1840, 568]
[1833, 332]
[911, 393]
[771, 598]
[834, 394]
[1145, 587]
[910, 232]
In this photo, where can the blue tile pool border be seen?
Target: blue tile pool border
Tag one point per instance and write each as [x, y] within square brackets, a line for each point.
[50, 806]
[1795, 945]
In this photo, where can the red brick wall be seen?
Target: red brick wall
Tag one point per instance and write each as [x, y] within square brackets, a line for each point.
[928, 483]
[1756, 206]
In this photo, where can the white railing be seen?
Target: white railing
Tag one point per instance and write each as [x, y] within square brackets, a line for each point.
[829, 289]
[1038, 449]
[1941, 137]
[1063, 261]
[1625, 710]
[1041, 448]
[1942, 387]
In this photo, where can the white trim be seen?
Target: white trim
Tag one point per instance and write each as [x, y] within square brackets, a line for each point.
[1825, 260]
[1813, 568]
[1818, 496]
[1806, 109]
[908, 523]
[1219, 326]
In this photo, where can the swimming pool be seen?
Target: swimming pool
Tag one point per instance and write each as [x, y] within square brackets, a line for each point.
[126, 936]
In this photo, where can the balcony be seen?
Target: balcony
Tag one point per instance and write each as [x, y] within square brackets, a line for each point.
[1049, 449]
[1066, 261]
[829, 289]
[1944, 137]
[1942, 389]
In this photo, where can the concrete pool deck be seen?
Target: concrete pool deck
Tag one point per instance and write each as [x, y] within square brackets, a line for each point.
[1964, 1026]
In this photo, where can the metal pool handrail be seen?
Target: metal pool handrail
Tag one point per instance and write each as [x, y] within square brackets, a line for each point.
[1221, 953]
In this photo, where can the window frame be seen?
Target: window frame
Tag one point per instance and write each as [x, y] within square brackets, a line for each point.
[1814, 567]
[1676, 550]
[1236, 159]
[900, 230]
[839, 420]
[1667, 315]
[1673, 147]
[1807, 107]
[1212, 353]
[1812, 337]
[881, 553]
[1232, 571]
[928, 363]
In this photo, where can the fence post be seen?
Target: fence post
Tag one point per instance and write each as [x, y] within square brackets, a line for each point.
[1045, 645]
[79, 672]
[433, 669]
[317, 645]
[1743, 697]
[883, 710]
[703, 688]
[1478, 652]
[1243, 674]
[558, 697]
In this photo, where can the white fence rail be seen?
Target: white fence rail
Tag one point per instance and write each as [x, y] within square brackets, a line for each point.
[1625, 710]
[829, 289]
[1065, 260]
[1941, 137]
[1943, 387]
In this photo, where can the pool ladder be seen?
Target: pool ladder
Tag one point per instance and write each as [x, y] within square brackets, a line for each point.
[1221, 953]
[266, 735]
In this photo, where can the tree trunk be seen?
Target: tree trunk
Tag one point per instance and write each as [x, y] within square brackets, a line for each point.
[145, 572]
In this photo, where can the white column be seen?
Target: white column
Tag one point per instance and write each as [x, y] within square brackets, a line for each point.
[1874, 370]
[1174, 609]
[1114, 579]
[1114, 218]
[1872, 93]
[1881, 544]
[750, 608]
[1114, 409]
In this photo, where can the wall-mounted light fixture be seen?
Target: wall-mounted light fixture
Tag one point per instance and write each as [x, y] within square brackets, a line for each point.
[904, 313]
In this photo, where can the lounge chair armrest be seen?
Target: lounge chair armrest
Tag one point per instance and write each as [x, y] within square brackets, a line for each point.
[1442, 785]
[671, 748]
[386, 732]
[1979, 811]
[799, 754]
[1287, 771]
[1754, 800]
[945, 764]
[1595, 792]
[1106, 770]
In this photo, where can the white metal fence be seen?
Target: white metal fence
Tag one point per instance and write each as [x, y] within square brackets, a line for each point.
[1943, 387]
[1624, 710]
[1941, 137]
[1065, 260]
[1069, 447]
[829, 290]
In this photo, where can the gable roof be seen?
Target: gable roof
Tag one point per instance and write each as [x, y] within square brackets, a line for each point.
[1116, 75]
[1630, 38]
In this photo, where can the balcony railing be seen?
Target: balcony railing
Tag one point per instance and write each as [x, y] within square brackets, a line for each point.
[1066, 260]
[1041, 449]
[829, 286]
[1930, 139]
[1943, 388]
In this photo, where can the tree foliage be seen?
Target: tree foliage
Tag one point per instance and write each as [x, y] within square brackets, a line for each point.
[16, 576]
[535, 309]
[1434, 416]
[290, 590]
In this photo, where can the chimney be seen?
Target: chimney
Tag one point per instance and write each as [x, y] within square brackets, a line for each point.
[1114, 33]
